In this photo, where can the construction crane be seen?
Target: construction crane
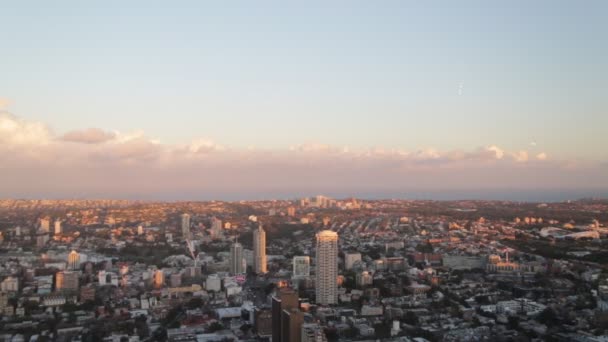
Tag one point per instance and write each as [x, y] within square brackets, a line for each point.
[192, 250]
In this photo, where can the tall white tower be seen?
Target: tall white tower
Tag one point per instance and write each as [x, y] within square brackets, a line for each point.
[236, 258]
[327, 268]
[58, 229]
[186, 226]
[259, 250]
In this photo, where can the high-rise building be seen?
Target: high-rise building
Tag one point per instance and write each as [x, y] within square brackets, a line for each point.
[326, 285]
[73, 260]
[66, 280]
[45, 224]
[291, 325]
[301, 266]
[284, 299]
[58, 229]
[158, 279]
[291, 211]
[259, 250]
[216, 228]
[140, 230]
[236, 259]
[186, 226]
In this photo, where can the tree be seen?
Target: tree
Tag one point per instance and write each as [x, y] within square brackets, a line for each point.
[513, 322]
[548, 317]
[215, 326]
[141, 326]
[424, 247]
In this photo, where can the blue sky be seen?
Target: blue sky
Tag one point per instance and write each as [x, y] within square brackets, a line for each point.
[351, 73]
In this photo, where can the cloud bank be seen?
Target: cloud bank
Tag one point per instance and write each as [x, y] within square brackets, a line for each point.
[93, 163]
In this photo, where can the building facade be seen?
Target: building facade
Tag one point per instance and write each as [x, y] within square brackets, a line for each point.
[326, 285]
[236, 259]
[185, 226]
[259, 251]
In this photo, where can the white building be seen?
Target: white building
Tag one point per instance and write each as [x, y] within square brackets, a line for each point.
[213, 283]
[327, 268]
[520, 305]
[301, 266]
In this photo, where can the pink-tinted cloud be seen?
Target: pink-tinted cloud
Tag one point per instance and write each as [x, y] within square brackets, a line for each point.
[4, 102]
[88, 136]
[93, 162]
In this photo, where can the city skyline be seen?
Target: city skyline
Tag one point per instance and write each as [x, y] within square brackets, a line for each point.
[316, 171]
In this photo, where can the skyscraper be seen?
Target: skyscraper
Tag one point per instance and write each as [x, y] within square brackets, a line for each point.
[186, 226]
[291, 325]
[158, 279]
[259, 250]
[45, 225]
[58, 229]
[236, 258]
[216, 228]
[284, 299]
[73, 260]
[327, 268]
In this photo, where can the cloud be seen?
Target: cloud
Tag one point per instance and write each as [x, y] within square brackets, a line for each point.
[498, 153]
[520, 156]
[4, 102]
[88, 136]
[199, 146]
[93, 162]
[16, 132]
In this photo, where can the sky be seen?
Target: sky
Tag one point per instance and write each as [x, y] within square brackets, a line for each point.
[199, 100]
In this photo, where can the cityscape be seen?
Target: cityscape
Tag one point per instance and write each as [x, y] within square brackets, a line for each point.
[313, 269]
[313, 171]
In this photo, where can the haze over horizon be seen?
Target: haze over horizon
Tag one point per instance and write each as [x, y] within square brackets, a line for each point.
[208, 101]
